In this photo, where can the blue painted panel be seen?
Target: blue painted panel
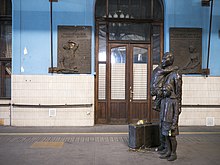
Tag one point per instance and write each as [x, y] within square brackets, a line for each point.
[215, 41]
[190, 13]
[16, 36]
[31, 31]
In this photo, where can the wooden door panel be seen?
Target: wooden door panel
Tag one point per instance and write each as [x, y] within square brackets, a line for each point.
[118, 110]
[155, 116]
[139, 111]
[101, 114]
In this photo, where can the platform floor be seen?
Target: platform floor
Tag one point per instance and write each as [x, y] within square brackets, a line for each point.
[101, 145]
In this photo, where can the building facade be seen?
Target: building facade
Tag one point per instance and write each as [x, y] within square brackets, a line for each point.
[80, 63]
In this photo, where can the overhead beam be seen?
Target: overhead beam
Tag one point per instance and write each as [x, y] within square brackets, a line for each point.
[53, 0]
[205, 2]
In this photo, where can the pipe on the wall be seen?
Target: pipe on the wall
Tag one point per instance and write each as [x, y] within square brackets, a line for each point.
[209, 40]
[10, 122]
[51, 34]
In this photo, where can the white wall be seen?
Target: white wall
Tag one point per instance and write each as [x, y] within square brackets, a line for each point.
[200, 91]
[44, 90]
[5, 112]
[79, 89]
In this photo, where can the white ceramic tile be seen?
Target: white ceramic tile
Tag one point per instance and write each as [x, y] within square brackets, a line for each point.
[65, 117]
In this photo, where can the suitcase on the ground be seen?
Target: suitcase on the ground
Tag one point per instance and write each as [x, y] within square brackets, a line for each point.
[147, 135]
[155, 135]
[144, 135]
[136, 139]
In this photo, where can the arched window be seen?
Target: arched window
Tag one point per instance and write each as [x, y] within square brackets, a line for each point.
[130, 20]
[129, 9]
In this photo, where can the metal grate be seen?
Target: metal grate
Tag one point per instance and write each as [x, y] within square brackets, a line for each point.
[210, 121]
[52, 112]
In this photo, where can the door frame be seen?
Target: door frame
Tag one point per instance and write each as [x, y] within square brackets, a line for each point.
[149, 71]
[128, 82]
[108, 84]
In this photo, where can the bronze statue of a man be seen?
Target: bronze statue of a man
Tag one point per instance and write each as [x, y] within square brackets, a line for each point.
[158, 78]
[166, 73]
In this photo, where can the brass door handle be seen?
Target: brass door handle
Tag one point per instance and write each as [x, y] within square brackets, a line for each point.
[131, 94]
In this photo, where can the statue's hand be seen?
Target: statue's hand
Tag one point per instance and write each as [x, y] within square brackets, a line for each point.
[159, 93]
[153, 93]
[175, 67]
[173, 127]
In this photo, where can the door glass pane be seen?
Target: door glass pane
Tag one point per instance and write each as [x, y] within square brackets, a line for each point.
[102, 82]
[102, 43]
[140, 59]
[141, 9]
[5, 8]
[5, 40]
[133, 9]
[156, 44]
[100, 8]
[119, 9]
[118, 61]
[158, 9]
[129, 31]
[5, 79]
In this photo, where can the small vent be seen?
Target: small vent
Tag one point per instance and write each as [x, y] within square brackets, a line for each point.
[210, 121]
[52, 112]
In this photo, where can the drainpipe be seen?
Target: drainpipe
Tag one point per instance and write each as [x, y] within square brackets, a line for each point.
[51, 34]
[209, 39]
[10, 123]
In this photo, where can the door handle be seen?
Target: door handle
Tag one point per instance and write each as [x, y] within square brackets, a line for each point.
[131, 94]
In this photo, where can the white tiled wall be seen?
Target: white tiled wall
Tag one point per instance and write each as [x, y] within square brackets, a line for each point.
[64, 117]
[5, 112]
[79, 89]
[52, 90]
[197, 116]
[200, 91]
[57, 89]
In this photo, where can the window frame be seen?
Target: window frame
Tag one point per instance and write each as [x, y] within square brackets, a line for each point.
[5, 19]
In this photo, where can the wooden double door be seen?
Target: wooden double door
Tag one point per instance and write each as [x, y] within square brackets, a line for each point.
[127, 74]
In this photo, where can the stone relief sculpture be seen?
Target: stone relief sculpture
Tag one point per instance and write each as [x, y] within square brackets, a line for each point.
[186, 44]
[193, 61]
[67, 62]
[73, 50]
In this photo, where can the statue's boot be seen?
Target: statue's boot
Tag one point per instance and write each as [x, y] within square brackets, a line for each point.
[164, 151]
[162, 146]
[173, 155]
[168, 152]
